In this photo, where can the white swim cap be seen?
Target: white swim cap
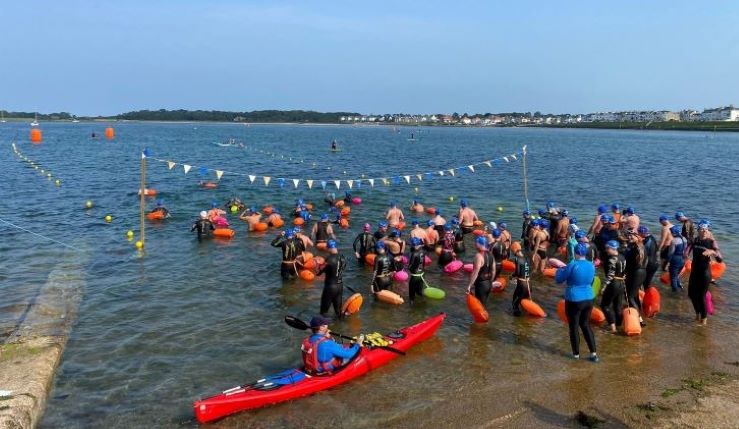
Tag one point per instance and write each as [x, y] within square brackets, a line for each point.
[203, 214]
[493, 225]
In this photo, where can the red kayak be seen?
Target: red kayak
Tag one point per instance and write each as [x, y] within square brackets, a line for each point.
[295, 383]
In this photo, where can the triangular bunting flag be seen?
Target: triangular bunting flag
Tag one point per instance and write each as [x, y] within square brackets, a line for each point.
[310, 183]
[471, 167]
[170, 164]
[359, 184]
[385, 181]
[514, 157]
[407, 179]
[441, 173]
[323, 184]
[506, 159]
[281, 182]
[252, 178]
[488, 163]
[419, 177]
[337, 183]
[371, 182]
[350, 183]
[266, 180]
[186, 168]
[451, 171]
[219, 173]
[295, 183]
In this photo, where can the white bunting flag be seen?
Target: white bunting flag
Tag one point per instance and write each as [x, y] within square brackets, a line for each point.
[488, 163]
[371, 182]
[506, 159]
[219, 173]
[419, 177]
[451, 171]
[186, 168]
[310, 183]
[266, 180]
[471, 167]
[407, 179]
[170, 164]
[385, 181]
[350, 183]
[337, 183]
[514, 157]
[295, 183]
[252, 178]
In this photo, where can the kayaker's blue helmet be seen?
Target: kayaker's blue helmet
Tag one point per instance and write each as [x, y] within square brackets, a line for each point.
[496, 233]
[676, 230]
[331, 244]
[612, 244]
[580, 234]
[318, 321]
[630, 210]
[602, 209]
[430, 223]
[415, 241]
[481, 241]
[581, 249]
[380, 245]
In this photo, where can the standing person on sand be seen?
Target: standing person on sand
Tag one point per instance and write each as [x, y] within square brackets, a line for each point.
[483, 271]
[665, 239]
[613, 292]
[579, 275]
[333, 283]
[704, 248]
[525, 228]
[652, 252]
[636, 271]
[540, 244]
[688, 229]
[676, 252]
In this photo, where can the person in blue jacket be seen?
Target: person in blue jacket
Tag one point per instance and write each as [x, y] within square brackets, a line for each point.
[321, 354]
[579, 275]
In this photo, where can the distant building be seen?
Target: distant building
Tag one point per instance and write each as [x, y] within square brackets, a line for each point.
[729, 113]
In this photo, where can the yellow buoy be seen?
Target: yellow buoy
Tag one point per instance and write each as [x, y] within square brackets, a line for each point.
[451, 198]
[58, 182]
[139, 244]
[108, 218]
[500, 209]
[88, 204]
[234, 209]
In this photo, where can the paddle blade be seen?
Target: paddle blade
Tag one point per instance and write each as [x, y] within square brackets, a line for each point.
[296, 323]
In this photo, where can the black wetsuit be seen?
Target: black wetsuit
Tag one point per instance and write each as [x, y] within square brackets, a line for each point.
[363, 243]
[321, 232]
[636, 271]
[416, 270]
[333, 284]
[397, 263]
[612, 301]
[203, 226]
[525, 229]
[484, 280]
[447, 249]
[380, 235]
[291, 248]
[521, 273]
[499, 252]
[459, 241]
[700, 275]
[604, 236]
[381, 271]
[652, 251]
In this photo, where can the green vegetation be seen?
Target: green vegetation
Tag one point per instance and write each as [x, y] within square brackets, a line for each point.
[276, 116]
[671, 125]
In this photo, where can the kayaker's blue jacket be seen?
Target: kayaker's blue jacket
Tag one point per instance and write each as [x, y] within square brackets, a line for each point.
[579, 276]
[328, 350]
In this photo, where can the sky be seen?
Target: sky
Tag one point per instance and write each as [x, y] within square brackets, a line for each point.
[107, 57]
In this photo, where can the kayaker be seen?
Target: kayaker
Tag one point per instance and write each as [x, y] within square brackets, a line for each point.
[363, 243]
[381, 272]
[333, 283]
[613, 292]
[483, 271]
[321, 354]
[203, 225]
[416, 269]
[704, 248]
[522, 274]
[579, 275]
[291, 248]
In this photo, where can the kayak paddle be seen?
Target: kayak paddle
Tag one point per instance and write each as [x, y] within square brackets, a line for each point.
[299, 324]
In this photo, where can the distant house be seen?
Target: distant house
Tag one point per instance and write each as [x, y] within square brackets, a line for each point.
[729, 113]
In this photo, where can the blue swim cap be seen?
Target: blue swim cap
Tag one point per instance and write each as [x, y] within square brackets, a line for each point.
[676, 230]
[253, 209]
[348, 194]
[331, 244]
[160, 203]
[526, 213]
[629, 210]
[613, 244]
[455, 221]
[604, 218]
[324, 217]
[415, 241]
[611, 219]
[679, 215]
[289, 233]
[550, 204]
[481, 241]
[380, 245]
[565, 212]
[382, 224]
[395, 233]
[642, 230]
[447, 227]
[615, 206]
[463, 203]
[430, 223]
[573, 228]
[297, 229]
[573, 220]
[437, 211]
[392, 204]
[496, 233]
[414, 222]
[704, 224]
[502, 226]
[663, 218]
[542, 212]
[213, 204]
[602, 209]
[275, 210]
[581, 249]
[580, 234]
[536, 222]
[545, 223]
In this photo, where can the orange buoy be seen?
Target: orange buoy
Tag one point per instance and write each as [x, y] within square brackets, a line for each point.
[431, 210]
[400, 225]
[477, 223]
[370, 258]
[309, 264]
[344, 223]
[499, 284]
[224, 233]
[109, 133]
[596, 316]
[155, 215]
[651, 303]
[478, 232]
[389, 297]
[561, 310]
[148, 192]
[339, 204]
[507, 266]
[307, 275]
[631, 322]
[260, 227]
[477, 310]
[717, 269]
[277, 223]
[532, 308]
[550, 272]
[35, 135]
[321, 246]
[665, 278]
[346, 210]
[298, 221]
[352, 304]
[267, 210]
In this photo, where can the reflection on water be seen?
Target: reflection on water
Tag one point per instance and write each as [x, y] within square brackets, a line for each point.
[190, 318]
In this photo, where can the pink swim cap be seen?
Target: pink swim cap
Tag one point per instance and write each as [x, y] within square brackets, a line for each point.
[367, 227]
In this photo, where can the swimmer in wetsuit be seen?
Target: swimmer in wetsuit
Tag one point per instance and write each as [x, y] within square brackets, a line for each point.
[612, 300]
[416, 269]
[322, 231]
[636, 271]
[522, 274]
[381, 232]
[652, 252]
[381, 272]
[676, 252]
[333, 283]
[483, 271]
[525, 228]
[704, 248]
[160, 208]
[363, 243]
[498, 250]
[688, 227]
[203, 225]
[291, 248]
[447, 247]
[459, 247]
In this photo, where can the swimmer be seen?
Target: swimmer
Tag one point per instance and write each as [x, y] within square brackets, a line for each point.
[395, 247]
[274, 216]
[439, 222]
[251, 216]
[307, 242]
[417, 231]
[562, 231]
[498, 250]
[688, 229]
[235, 201]
[459, 247]
[291, 247]
[636, 271]
[432, 236]
[665, 239]
[416, 269]
[505, 236]
[160, 208]
[651, 250]
[363, 243]
[483, 271]
[322, 231]
[704, 248]
[630, 221]
[394, 215]
[522, 274]
[203, 225]
[540, 243]
[613, 291]
[447, 247]
[525, 228]
[215, 212]
[416, 207]
[381, 232]
[467, 217]
[676, 253]
[579, 275]
[381, 271]
[333, 283]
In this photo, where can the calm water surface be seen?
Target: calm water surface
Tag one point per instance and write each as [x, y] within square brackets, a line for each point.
[189, 319]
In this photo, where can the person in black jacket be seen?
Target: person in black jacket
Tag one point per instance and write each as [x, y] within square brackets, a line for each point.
[651, 248]
[333, 283]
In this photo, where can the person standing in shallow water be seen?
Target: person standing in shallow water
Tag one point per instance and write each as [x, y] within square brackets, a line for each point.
[333, 283]
[704, 248]
[579, 275]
